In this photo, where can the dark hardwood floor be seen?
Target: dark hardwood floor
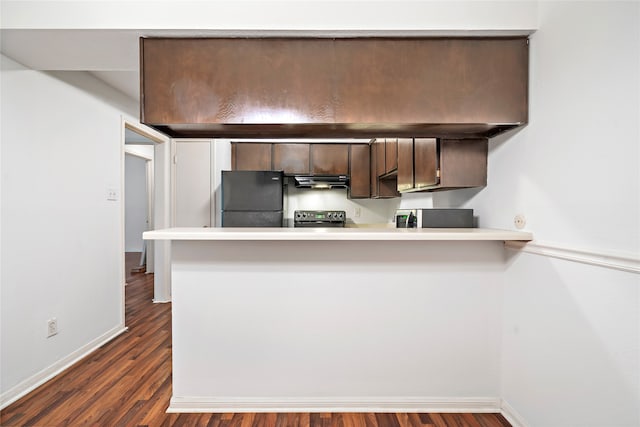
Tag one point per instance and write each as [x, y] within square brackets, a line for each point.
[127, 382]
[132, 265]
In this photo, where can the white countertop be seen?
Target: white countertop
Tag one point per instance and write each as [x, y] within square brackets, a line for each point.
[336, 234]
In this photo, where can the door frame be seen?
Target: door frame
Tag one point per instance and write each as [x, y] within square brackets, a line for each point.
[161, 211]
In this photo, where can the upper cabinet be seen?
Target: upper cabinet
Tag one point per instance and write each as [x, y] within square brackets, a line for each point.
[390, 154]
[438, 164]
[405, 164]
[334, 87]
[383, 183]
[309, 159]
[251, 157]
[359, 170]
[293, 159]
[383, 169]
[329, 159]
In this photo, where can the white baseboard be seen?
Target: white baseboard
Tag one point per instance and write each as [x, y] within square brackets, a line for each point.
[351, 404]
[514, 418]
[28, 385]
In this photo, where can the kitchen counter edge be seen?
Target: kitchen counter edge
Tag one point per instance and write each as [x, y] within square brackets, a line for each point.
[337, 234]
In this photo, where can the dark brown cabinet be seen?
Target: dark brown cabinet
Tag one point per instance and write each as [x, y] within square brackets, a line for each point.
[300, 158]
[379, 147]
[405, 164]
[329, 159]
[426, 163]
[382, 185]
[251, 156]
[430, 164]
[449, 87]
[387, 155]
[390, 155]
[359, 171]
[293, 159]
[463, 163]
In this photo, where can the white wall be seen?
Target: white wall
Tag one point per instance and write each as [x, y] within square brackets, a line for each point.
[570, 347]
[61, 248]
[135, 173]
[572, 331]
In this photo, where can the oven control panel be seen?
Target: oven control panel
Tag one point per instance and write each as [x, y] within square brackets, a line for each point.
[319, 218]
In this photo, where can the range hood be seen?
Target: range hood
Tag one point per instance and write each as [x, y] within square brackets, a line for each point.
[321, 181]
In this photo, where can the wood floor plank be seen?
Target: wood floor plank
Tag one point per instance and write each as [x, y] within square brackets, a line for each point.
[470, 420]
[455, 420]
[438, 421]
[370, 420]
[387, 419]
[490, 420]
[420, 420]
[127, 382]
[214, 420]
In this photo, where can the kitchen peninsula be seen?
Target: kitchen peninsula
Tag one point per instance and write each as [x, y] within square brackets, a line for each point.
[349, 319]
[325, 320]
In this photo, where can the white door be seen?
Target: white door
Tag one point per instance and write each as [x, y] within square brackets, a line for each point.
[193, 184]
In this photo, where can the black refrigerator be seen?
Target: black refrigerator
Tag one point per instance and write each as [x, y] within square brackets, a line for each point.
[252, 199]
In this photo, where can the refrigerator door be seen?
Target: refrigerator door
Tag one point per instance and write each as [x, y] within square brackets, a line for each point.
[252, 219]
[252, 190]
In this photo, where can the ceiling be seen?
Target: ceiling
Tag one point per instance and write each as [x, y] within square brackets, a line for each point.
[113, 55]
[109, 55]
[102, 36]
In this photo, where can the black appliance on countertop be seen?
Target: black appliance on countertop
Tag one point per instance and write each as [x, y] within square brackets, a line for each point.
[252, 199]
[434, 218]
[319, 218]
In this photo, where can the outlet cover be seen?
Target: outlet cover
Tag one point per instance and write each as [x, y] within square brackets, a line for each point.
[112, 194]
[52, 327]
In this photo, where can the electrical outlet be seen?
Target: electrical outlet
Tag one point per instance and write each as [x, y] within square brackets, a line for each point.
[112, 194]
[357, 212]
[520, 221]
[52, 327]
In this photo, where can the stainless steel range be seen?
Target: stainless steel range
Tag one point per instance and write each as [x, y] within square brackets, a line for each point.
[319, 218]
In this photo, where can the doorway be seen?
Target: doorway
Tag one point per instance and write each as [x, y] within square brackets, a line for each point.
[145, 179]
[138, 203]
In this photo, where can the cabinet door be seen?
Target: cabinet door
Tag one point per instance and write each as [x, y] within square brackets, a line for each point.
[193, 184]
[391, 154]
[359, 173]
[373, 174]
[426, 162]
[291, 158]
[405, 164]
[463, 162]
[381, 188]
[329, 159]
[251, 157]
[379, 144]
